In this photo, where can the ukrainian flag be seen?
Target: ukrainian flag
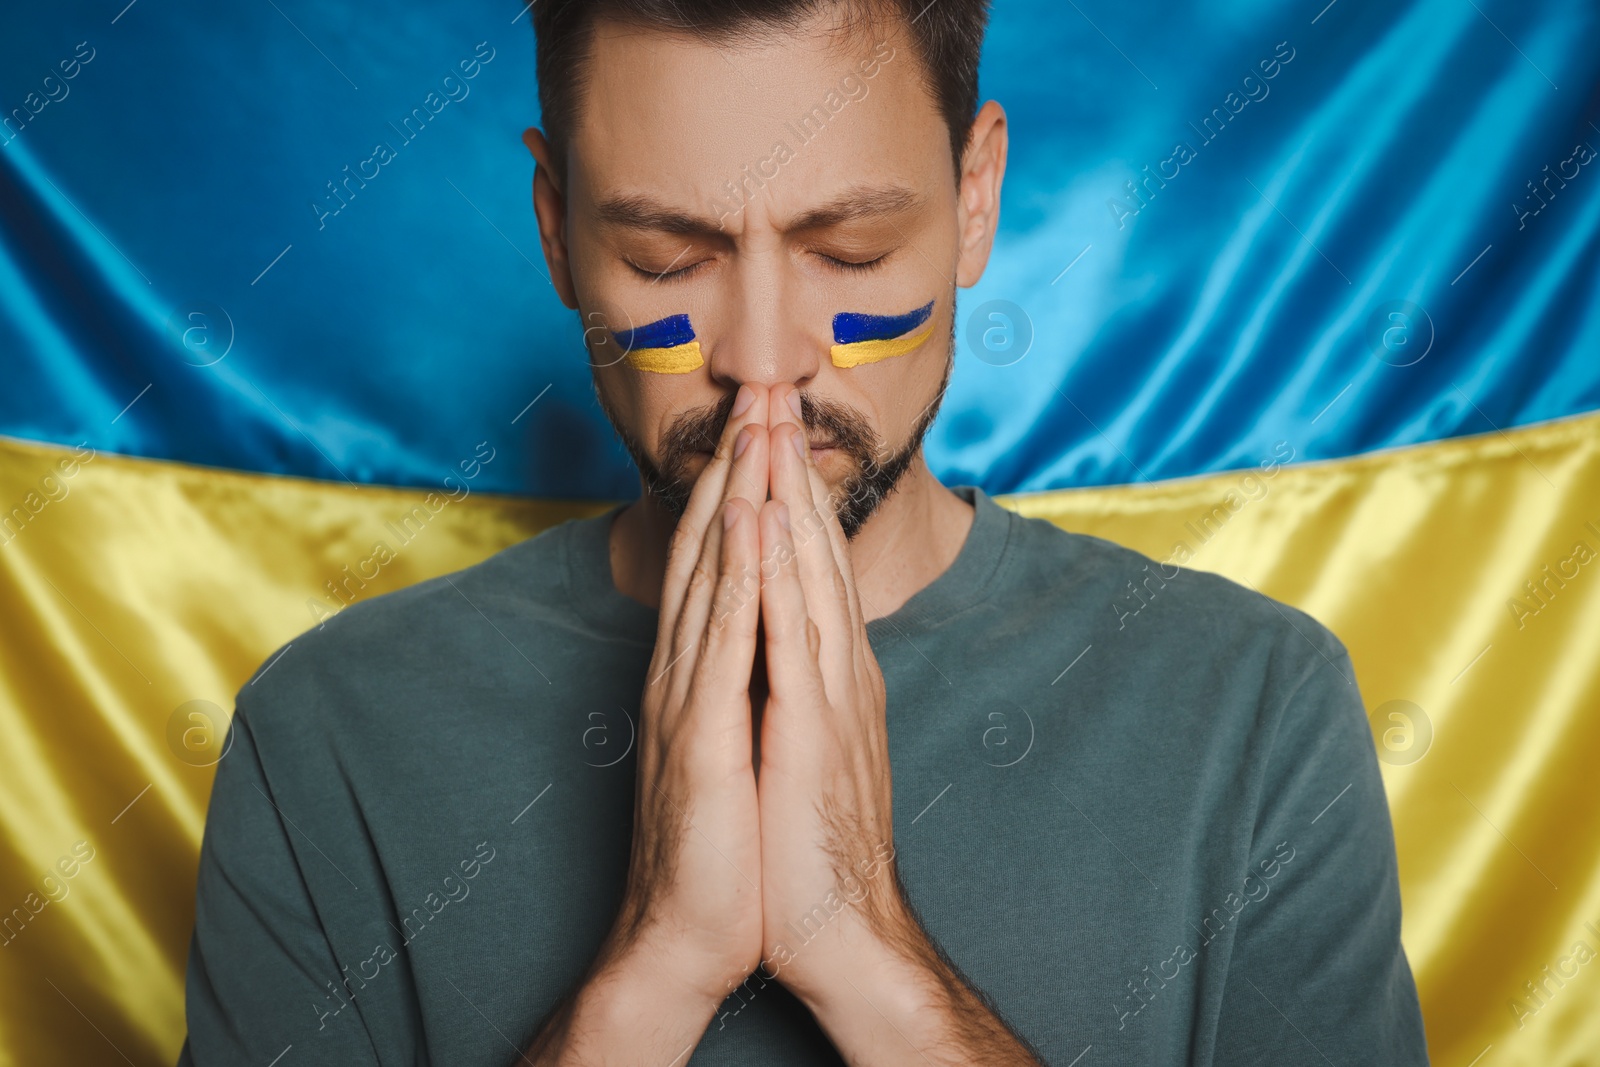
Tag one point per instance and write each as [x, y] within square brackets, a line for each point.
[666, 346]
[1319, 315]
[863, 338]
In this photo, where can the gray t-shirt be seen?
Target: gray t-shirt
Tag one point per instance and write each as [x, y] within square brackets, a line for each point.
[1138, 807]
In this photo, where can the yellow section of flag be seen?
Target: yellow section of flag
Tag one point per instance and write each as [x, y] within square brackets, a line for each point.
[1462, 575]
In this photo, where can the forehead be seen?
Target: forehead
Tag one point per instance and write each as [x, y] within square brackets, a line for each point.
[797, 111]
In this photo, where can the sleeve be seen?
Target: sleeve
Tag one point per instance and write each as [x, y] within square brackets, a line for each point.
[1317, 972]
[262, 975]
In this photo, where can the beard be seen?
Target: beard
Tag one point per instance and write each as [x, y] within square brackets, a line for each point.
[878, 466]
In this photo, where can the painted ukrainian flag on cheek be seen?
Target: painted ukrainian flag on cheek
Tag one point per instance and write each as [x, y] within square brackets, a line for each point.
[859, 339]
[666, 346]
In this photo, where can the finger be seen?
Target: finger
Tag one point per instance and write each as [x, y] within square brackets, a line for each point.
[705, 503]
[723, 668]
[749, 468]
[829, 504]
[826, 593]
[839, 543]
[862, 657]
[793, 641]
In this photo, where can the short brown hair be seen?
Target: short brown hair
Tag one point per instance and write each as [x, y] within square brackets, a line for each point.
[947, 35]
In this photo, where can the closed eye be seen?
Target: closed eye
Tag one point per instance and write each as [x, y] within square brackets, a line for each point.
[666, 275]
[855, 265]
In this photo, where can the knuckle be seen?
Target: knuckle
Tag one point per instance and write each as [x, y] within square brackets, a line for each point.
[724, 606]
[732, 595]
[803, 522]
[700, 577]
[680, 639]
[684, 540]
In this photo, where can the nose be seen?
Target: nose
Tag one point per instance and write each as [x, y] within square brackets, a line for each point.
[763, 337]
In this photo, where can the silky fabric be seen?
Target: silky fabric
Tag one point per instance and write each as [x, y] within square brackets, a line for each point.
[193, 266]
[148, 586]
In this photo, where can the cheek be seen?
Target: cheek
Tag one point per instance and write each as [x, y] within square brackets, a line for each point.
[664, 346]
[624, 397]
[902, 394]
[646, 406]
[861, 338]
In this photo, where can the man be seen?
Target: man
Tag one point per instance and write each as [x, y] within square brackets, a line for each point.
[802, 757]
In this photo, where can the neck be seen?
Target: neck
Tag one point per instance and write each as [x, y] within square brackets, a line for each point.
[911, 539]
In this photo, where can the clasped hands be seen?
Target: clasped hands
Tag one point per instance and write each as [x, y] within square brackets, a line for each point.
[762, 843]
[780, 861]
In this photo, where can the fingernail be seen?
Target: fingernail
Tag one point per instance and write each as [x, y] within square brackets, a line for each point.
[794, 402]
[799, 440]
[741, 442]
[742, 402]
[783, 515]
[728, 515]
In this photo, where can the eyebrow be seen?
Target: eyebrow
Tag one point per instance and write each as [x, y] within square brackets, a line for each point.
[859, 202]
[640, 211]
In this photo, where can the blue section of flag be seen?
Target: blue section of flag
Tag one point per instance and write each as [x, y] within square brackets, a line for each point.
[1332, 231]
[849, 327]
[669, 332]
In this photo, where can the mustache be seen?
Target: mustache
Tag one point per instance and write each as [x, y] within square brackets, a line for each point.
[877, 473]
[701, 429]
[878, 467]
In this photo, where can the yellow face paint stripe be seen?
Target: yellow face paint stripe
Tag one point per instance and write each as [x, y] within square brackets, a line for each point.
[854, 355]
[679, 359]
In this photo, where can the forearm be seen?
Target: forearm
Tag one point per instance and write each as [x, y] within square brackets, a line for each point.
[631, 1008]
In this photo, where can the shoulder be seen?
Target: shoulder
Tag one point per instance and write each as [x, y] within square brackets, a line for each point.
[410, 642]
[1170, 623]
[1209, 677]
[1115, 589]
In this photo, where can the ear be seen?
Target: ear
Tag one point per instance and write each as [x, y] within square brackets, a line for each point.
[983, 168]
[550, 208]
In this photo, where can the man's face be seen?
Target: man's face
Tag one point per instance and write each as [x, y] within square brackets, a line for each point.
[761, 188]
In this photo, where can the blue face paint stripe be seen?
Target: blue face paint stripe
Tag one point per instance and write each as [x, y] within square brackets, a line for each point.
[669, 332]
[850, 327]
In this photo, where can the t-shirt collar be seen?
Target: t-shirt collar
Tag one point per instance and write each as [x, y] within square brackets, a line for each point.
[969, 579]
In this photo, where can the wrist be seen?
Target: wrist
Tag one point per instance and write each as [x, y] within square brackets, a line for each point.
[891, 1005]
[640, 986]
[629, 1002]
[646, 959]
[903, 1005]
[887, 961]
